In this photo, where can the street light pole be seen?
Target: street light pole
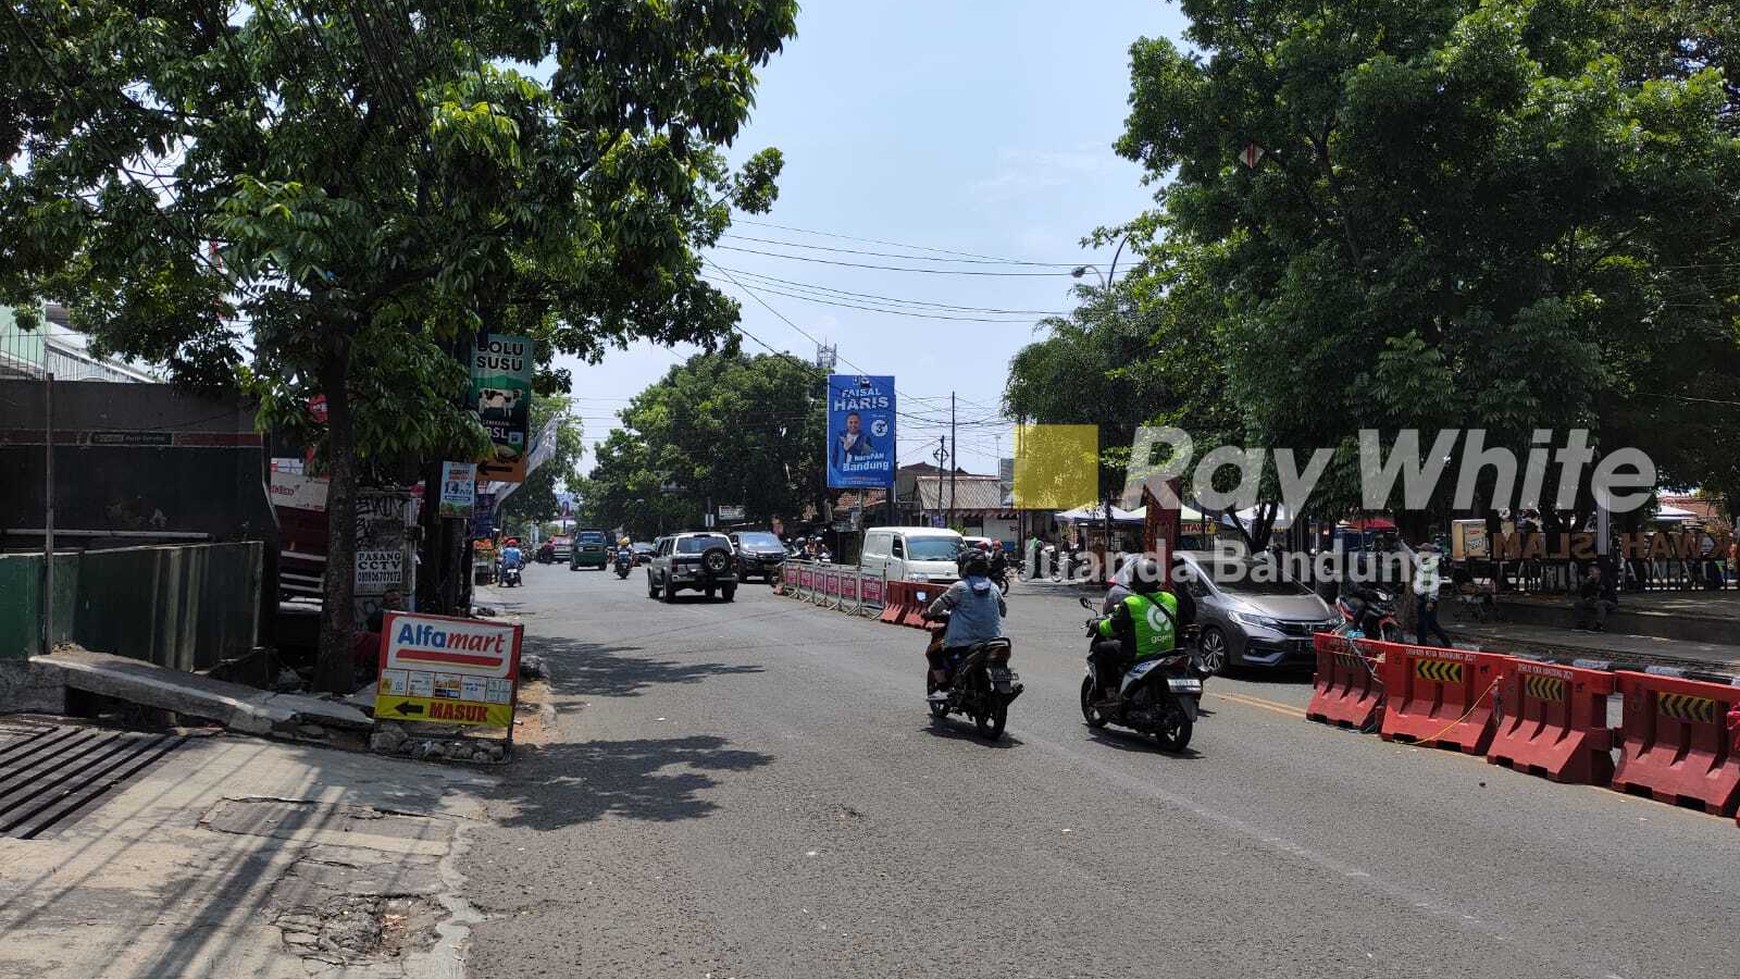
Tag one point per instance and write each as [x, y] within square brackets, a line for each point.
[1106, 287]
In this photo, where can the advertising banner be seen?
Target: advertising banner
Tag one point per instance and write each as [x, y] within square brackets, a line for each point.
[450, 670]
[860, 431]
[501, 396]
[870, 589]
[458, 489]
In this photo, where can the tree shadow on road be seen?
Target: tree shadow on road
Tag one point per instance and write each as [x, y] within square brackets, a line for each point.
[591, 669]
[564, 784]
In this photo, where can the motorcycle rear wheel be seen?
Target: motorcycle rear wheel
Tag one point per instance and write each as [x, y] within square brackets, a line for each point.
[1174, 734]
[990, 723]
[1089, 712]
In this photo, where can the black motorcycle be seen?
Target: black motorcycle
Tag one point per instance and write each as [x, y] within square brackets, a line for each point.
[546, 553]
[510, 576]
[1161, 695]
[624, 561]
[981, 686]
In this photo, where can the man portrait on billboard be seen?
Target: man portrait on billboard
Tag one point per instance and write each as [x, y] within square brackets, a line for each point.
[854, 441]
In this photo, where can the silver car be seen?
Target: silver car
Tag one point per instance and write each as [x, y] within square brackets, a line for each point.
[1248, 618]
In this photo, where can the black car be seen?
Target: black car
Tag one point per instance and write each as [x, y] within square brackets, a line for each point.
[759, 554]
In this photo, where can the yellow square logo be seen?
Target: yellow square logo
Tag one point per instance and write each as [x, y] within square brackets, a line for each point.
[1056, 466]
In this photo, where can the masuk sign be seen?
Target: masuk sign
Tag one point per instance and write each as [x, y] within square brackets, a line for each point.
[449, 670]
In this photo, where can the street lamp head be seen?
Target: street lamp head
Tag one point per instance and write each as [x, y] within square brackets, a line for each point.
[1080, 270]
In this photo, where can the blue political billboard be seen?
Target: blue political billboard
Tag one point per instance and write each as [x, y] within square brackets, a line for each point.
[860, 431]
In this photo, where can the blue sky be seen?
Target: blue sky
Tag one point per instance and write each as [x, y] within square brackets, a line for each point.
[981, 127]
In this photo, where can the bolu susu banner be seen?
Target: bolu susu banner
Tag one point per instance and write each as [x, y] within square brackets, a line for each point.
[860, 431]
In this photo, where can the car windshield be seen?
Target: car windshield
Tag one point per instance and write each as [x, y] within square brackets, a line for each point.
[932, 548]
[760, 539]
[695, 545]
[591, 538]
[1248, 578]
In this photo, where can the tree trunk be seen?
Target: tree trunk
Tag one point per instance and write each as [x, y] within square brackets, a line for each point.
[333, 671]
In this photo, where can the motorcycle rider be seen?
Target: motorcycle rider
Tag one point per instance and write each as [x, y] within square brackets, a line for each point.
[1146, 623]
[511, 556]
[974, 609]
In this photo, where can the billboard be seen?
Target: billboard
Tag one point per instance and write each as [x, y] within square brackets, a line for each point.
[501, 396]
[860, 431]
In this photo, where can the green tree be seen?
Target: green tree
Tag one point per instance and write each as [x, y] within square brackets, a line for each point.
[333, 198]
[1500, 215]
[724, 428]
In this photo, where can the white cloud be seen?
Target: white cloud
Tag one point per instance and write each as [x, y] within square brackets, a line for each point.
[1023, 173]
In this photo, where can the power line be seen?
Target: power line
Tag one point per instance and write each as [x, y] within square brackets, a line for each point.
[753, 295]
[919, 258]
[872, 297]
[879, 241]
[885, 268]
[911, 313]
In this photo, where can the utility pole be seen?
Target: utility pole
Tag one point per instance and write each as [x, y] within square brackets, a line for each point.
[48, 515]
[954, 440]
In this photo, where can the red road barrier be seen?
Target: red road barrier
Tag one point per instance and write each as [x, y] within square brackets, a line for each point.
[922, 596]
[1440, 697]
[1554, 723]
[1349, 690]
[1676, 745]
[897, 598]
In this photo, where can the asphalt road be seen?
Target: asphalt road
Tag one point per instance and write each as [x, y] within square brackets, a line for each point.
[755, 790]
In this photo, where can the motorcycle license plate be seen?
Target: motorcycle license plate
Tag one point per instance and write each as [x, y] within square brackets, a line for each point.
[1001, 676]
[1183, 685]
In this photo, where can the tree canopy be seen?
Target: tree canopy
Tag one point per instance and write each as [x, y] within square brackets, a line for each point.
[333, 198]
[1497, 215]
[725, 428]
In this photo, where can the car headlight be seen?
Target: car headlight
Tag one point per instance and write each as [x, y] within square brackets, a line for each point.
[1257, 621]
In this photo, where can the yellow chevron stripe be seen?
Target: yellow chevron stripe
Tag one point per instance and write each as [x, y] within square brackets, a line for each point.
[1438, 670]
[1686, 707]
[1544, 687]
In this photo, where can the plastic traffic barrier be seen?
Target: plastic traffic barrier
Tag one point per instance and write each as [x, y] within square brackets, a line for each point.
[1677, 748]
[922, 595]
[1440, 697]
[1553, 723]
[897, 598]
[1348, 690]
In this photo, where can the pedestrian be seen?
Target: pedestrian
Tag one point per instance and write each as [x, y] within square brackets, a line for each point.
[1596, 599]
[1428, 581]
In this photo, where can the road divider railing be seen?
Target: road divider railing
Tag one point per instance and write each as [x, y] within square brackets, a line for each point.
[1675, 743]
[1441, 697]
[1553, 722]
[841, 587]
[1349, 687]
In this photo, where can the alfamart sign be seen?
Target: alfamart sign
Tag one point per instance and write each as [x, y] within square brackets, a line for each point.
[449, 670]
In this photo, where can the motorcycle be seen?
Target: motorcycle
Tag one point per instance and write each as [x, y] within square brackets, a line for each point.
[546, 553]
[981, 686]
[1370, 613]
[623, 562]
[1161, 695]
[510, 576]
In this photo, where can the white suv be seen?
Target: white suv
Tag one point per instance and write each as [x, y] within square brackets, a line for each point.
[699, 561]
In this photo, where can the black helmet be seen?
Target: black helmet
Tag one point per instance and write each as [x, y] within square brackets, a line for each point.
[1145, 577]
[974, 563]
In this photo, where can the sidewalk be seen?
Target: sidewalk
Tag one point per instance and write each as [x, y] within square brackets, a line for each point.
[1503, 637]
[232, 856]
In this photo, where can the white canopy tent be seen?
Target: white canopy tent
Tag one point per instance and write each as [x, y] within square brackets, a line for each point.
[1096, 513]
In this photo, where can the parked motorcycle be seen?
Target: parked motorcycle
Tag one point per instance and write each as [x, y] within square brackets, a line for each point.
[1160, 696]
[624, 561]
[1368, 613]
[981, 686]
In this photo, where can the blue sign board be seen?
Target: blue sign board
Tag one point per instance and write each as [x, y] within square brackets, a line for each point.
[860, 431]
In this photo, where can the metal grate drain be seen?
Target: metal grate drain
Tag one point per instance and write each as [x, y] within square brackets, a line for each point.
[55, 774]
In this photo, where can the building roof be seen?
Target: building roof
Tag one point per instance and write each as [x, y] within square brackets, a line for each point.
[970, 493]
